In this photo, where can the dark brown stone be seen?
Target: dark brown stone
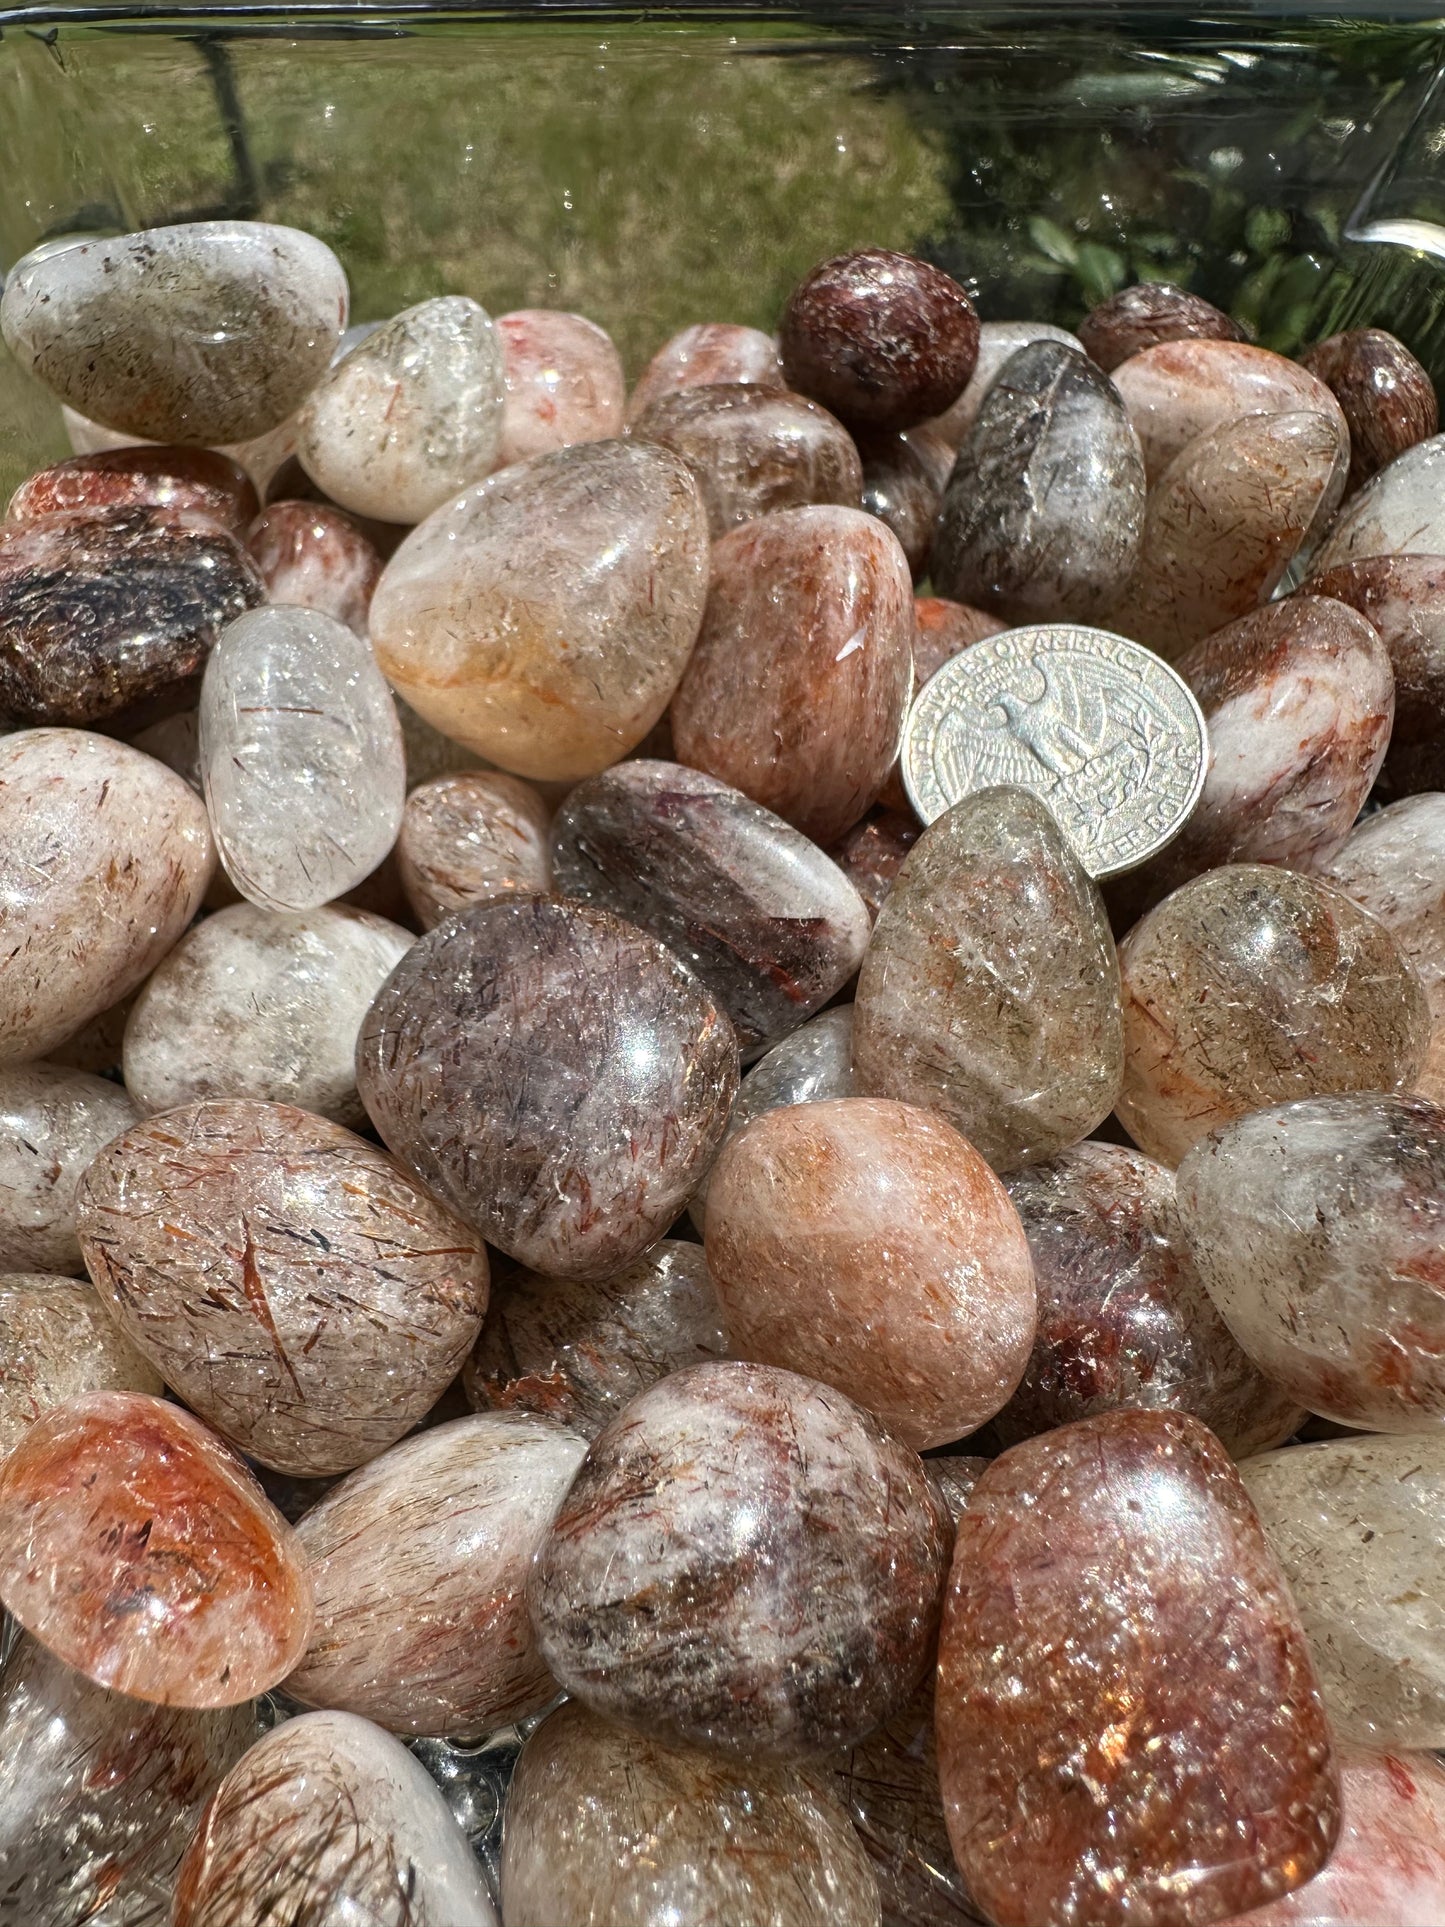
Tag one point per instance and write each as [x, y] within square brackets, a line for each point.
[1388, 399]
[904, 476]
[1143, 316]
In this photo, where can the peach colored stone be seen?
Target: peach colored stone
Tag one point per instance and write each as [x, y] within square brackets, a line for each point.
[563, 379]
[314, 557]
[1179, 389]
[471, 837]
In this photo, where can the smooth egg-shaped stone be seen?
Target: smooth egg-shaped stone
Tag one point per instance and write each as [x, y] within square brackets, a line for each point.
[301, 757]
[797, 690]
[53, 1120]
[746, 1562]
[304, 1295]
[1399, 511]
[576, 1350]
[201, 480]
[419, 1565]
[998, 343]
[1253, 985]
[874, 851]
[470, 837]
[1402, 597]
[99, 1794]
[1225, 520]
[754, 449]
[544, 617]
[1317, 1227]
[1356, 1526]
[1147, 314]
[1181, 389]
[1130, 1733]
[108, 616]
[329, 1819]
[990, 991]
[262, 1003]
[210, 332]
[904, 476]
[564, 382]
[104, 858]
[1388, 399]
[1042, 516]
[59, 1340]
[704, 356]
[606, 1826]
[411, 416]
[559, 1077]
[866, 1244]
[766, 920]
[1124, 1318]
[143, 1553]
[314, 557]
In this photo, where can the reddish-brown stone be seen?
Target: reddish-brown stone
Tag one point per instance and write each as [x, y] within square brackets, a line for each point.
[162, 478]
[1388, 399]
[1402, 597]
[1141, 317]
[874, 851]
[315, 558]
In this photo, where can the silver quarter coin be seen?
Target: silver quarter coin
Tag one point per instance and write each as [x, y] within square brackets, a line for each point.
[1098, 727]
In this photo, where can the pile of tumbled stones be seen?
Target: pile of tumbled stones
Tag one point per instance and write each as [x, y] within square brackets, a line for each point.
[431, 772]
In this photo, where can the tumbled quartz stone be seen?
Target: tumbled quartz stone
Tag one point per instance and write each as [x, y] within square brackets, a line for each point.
[561, 1079]
[1388, 399]
[998, 342]
[544, 617]
[104, 858]
[301, 1292]
[1253, 985]
[1317, 1228]
[106, 615]
[904, 476]
[99, 1794]
[1123, 1316]
[200, 480]
[707, 355]
[1356, 1525]
[314, 557]
[59, 1340]
[329, 1819]
[564, 382]
[261, 1003]
[1403, 599]
[260, 456]
[798, 688]
[142, 1553]
[470, 838]
[873, 853]
[752, 450]
[96, 1046]
[1129, 1728]
[866, 1244]
[606, 1826]
[1399, 511]
[576, 1350]
[52, 1122]
[301, 757]
[210, 332]
[1143, 316]
[1042, 516]
[990, 991]
[419, 1565]
[746, 1562]
[768, 922]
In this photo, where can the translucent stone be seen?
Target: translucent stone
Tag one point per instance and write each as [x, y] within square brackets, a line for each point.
[1356, 1526]
[564, 382]
[210, 332]
[1129, 1728]
[260, 457]
[96, 1046]
[107, 615]
[143, 1554]
[314, 557]
[291, 483]
[1317, 1227]
[577, 1350]
[59, 1340]
[883, 339]
[797, 690]
[99, 1794]
[990, 991]
[52, 1123]
[1181, 389]
[1051, 550]
[955, 1474]
[704, 356]
[544, 617]
[328, 1819]
[470, 838]
[1403, 599]
[104, 858]
[1387, 398]
[301, 756]
[606, 1826]
[1143, 316]
[1225, 520]
[305, 1296]
[904, 476]
[746, 1562]
[411, 416]
[561, 1079]
[199, 480]
[1124, 1318]
[873, 853]
[764, 918]
[419, 1564]
[866, 1244]
[1252, 985]
[1399, 511]
[754, 449]
[262, 1003]
[998, 341]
